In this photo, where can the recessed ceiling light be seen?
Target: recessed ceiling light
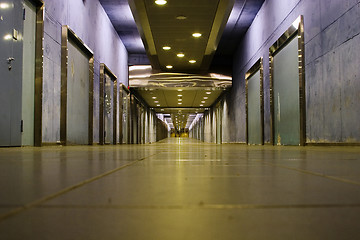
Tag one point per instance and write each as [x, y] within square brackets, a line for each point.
[179, 103]
[153, 97]
[179, 99]
[166, 48]
[158, 105]
[196, 35]
[179, 95]
[180, 90]
[208, 92]
[201, 105]
[181, 17]
[192, 61]
[160, 2]
[169, 67]
[156, 101]
[180, 55]
[202, 101]
[205, 97]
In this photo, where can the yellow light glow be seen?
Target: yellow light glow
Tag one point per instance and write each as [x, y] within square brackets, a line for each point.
[166, 48]
[180, 90]
[169, 67]
[192, 61]
[160, 2]
[196, 35]
[180, 55]
[179, 99]
[179, 95]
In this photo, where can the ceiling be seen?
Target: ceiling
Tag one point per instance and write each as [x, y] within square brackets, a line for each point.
[145, 28]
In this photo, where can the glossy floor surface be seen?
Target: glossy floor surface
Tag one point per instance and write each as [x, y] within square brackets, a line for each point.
[180, 189]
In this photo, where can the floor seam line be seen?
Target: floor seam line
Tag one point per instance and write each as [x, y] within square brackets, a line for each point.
[316, 174]
[38, 202]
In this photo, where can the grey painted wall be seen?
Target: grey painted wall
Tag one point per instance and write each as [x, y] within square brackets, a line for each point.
[90, 22]
[332, 59]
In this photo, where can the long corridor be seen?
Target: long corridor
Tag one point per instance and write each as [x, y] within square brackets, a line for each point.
[180, 188]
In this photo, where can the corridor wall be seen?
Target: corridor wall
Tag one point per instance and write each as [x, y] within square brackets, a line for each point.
[332, 60]
[89, 21]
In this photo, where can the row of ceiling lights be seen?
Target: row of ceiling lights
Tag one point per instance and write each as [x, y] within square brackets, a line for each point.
[180, 99]
[167, 48]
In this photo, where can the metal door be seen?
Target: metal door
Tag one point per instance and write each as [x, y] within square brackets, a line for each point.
[11, 24]
[286, 95]
[108, 109]
[254, 110]
[28, 79]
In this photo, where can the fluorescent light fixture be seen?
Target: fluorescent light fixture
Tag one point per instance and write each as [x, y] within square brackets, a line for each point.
[196, 35]
[4, 5]
[180, 95]
[179, 99]
[166, 48]
[192, 61]
[169, 67]
[139, 67]
[179, 103]
[160, 2]
[180, 55]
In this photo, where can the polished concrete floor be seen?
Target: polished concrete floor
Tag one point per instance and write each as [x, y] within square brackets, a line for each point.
[180, 189]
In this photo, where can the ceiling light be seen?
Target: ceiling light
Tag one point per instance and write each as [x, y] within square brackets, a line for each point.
[158, 105]
[4, 5]
[179, 103]
[208, 93]
[8, 37]
[160, 2]
[181, 17]
[180, 55]
[169, 67]
[202, 101]
[153, 97]
[179, 99]
[166, 48]
[196, 35]
[205, 97]
[180, 90]
[156, 101]
[192, 61]
[179, 95]
[201, 105]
